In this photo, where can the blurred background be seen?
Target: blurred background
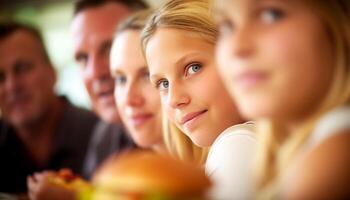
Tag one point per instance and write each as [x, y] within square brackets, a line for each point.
[53, 18]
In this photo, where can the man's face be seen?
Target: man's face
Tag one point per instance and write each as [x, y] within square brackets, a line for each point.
[93, 30]
[26, 79]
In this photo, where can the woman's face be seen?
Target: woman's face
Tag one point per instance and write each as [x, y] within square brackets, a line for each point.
[182, 67]
[137, 100]
[275, 57]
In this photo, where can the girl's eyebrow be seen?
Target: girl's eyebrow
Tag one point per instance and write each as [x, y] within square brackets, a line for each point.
[182, 59]
[154, 77]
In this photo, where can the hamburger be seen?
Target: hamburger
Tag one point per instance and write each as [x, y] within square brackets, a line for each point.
[143, 175]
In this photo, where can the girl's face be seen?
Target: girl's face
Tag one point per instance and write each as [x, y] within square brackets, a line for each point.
[137, 100]
[182, 67]
[275, 56]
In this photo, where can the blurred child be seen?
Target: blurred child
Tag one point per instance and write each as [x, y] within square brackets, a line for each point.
[287, 64]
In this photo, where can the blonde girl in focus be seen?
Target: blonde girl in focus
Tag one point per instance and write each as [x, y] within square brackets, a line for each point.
[179, 45]
[287, 65]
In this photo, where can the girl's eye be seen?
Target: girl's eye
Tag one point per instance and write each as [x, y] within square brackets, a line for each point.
[193, 68]
[271, 15]
[163, 84]
[120, 80]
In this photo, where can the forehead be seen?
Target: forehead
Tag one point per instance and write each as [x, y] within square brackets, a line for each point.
[232, 8]
[125, 46]
[20, 45]
[174, 44]
[222, 3]
[98, 23]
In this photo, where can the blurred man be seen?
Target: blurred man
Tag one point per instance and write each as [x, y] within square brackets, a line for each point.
[93, 29]
[38, 130]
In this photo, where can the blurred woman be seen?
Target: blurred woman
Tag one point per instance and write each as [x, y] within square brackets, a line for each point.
[137, 100]
[287, 64]
[178, 43]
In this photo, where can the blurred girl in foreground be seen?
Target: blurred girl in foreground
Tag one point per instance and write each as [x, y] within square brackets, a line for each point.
[178, 43]
[287, 64]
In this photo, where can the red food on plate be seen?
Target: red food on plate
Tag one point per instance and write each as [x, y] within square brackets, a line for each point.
[67, 179]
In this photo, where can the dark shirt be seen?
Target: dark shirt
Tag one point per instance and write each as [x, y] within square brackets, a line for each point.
[107, 139]
[70, 145]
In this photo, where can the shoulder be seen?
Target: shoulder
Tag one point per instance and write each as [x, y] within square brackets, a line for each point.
[76, 112]
[103, 129]
[230, 160]
[323, 171]
[76, 120]
[333, 122]
[107, 134]
[236, 135]
[235, 146]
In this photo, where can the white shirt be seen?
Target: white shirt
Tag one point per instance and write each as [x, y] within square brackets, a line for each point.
[333, 122]
[229, 163]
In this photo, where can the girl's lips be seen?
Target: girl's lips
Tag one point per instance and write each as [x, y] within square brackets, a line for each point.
[140, 119]
[250, 78]
[191, 116]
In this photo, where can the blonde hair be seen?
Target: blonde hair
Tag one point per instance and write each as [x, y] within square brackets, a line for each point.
[189, 15]
[180, 145]
[136, 21]
[275, 156]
